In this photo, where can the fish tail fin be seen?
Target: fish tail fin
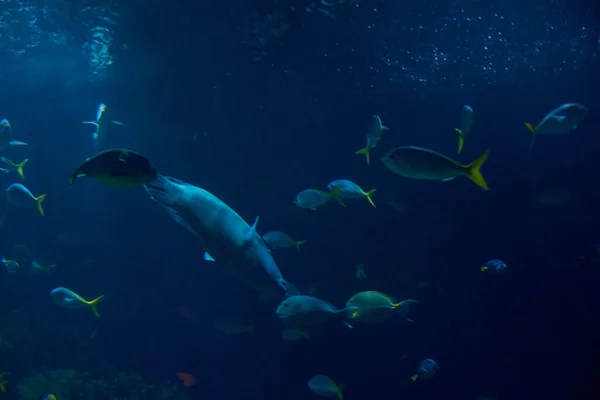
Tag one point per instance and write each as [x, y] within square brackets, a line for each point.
[532, 129]
[38, 201]
[20, 166]
[336, 195]
[474, 173]
[339, 391]
[414, 377]
[404, 306]
[366, 152]
[94, 303]
[484, 268]
[368, 196]
[299, 243]
[461, 139]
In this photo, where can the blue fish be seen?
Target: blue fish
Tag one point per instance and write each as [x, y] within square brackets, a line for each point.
[21, 197]
[11, 266]
[494, 267]
[67, 298]
[228, 239]
[426, 369]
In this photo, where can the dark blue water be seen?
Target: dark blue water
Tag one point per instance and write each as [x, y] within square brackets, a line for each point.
[213, 96]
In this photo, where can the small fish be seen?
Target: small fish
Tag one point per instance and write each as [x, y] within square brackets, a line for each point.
[6, 138]
[326, 387]
[3, 381]
[16, 167]
[21, 197]
[373, 137]
[371, 307]
[101, 123]
[117, 167]
[37, 266]
[561, 120]
[294, 334]
[10, 265]
[466, 123]
[230, 326]
[302, 311]
[278, 239]
[419, 163]
[346, 189]
[66, 298]
[312, 198]
[187, 379]
[360, 272]
[494, 266]
[426, 369]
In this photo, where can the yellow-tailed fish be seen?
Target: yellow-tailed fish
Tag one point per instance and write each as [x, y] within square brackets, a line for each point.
[303, 311]
[16, 167]
[66, 298]
[426, 369]
[373, 137]
[561, 120]
[370, 307]
[278, 239]
[19, 196]
[419, 163]
[326, 387]
[37, 266]
[345, 189]
[117, 167]
[312, 198]
[466, 123]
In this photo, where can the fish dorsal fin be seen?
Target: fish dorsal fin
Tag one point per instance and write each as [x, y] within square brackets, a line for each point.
[253, 228]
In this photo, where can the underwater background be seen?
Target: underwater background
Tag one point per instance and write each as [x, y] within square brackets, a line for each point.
[255, 101]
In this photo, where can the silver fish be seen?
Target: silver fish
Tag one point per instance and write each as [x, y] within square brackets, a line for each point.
[232, 243]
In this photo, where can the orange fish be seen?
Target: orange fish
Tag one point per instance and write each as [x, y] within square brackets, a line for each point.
[187, 379]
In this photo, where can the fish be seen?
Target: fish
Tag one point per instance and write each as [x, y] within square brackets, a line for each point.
[426, 369]
[48, 397]
[302, 311]
[10, 265]
[3, 381]
[229, 239]
[16, 167]
[360, 272]
[371, 307]
[21, 197]
[561, 120]
[187, 379]
[117, 167]
[419, 163]
[278, 239]
[66, 298]
[230, 326]
[312, 198]
[101, 123]
[466, 123]
[6, 138]
[326, 387]
[346, 189]
[376, 128]
[494, 266]
[37, 266]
